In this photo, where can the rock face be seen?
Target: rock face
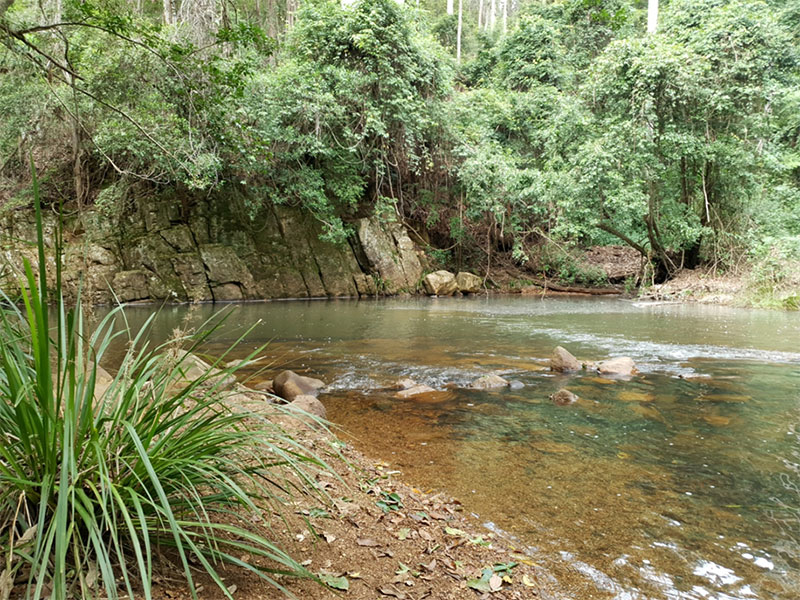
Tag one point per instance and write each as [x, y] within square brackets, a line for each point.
[391, 255]
[309, 404]
[488, 382]
[440, 283]
[622, 366]
[563, 362]
[563, 397]
[207, 249]
[467, 283]
[289, 385]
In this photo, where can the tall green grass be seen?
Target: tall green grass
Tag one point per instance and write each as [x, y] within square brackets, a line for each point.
[98, 481]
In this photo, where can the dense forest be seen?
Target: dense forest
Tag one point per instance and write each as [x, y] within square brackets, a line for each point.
[511, 128]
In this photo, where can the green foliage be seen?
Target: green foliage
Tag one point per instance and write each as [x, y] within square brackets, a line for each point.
[566, 266]
[575, 123]
[96, 475]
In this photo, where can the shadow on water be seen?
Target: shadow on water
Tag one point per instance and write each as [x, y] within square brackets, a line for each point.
[679, 483]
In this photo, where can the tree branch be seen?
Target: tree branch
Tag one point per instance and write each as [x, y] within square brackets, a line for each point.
[617, 233]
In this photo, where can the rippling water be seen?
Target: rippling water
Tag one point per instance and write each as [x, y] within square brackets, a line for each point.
[679, 483]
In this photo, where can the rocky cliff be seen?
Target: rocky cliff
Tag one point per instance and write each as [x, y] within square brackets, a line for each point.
[157, 250]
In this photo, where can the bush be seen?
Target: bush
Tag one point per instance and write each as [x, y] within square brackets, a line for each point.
[93, 479]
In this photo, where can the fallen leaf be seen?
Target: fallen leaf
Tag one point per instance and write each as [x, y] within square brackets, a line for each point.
[495, 583]
[526, 581]
[337, 583]
[329, 537]
[403, 533]
[479, 585]
[430, 566]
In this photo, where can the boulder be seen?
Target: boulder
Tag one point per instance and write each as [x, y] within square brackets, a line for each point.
[265, 386]
[390, 254]
[414, 391]
[488, 382]
[563, 397]
[405, 383]
[309, 404]
[468, 283]
[440, 283]
[622, 366]
[562, 361]
[192, 368]
[102, 381]
[288, 385]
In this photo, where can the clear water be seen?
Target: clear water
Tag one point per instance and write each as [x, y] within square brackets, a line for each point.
[679, 483]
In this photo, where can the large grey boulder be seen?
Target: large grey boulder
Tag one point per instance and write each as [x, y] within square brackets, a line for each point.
[562, 361]
[440, 283]
[622, 366]
[390, 254]
[468, 283]
[289, 385]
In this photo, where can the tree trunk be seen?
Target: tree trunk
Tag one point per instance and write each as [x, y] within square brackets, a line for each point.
[458, 32]
[652, 16]
[505, 17]
[167, 4]
[493, 15]
[450, 7]
[480, 14]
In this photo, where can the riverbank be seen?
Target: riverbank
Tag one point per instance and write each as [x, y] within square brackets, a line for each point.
[379, 537]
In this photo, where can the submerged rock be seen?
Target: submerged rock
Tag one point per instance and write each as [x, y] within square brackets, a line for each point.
[564, 397]
[414, 391]
[562, 361]
[468, 283]
[288, 385]
[440, 283]
[515, 384]
[488, 382]
[622, 365]
[405, 383]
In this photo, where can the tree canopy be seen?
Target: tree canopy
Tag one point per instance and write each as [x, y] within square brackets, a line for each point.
[570, 123]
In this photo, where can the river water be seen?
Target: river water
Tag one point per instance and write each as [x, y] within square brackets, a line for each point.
[682, 482]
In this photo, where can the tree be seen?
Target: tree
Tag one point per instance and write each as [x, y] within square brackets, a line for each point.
[652, 16]
[460, 29]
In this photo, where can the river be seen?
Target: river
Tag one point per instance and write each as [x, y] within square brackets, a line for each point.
[682, 482]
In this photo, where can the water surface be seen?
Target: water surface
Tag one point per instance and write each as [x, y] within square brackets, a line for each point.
[677, 483]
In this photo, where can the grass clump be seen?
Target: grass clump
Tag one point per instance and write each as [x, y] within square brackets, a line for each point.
[98, 481]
